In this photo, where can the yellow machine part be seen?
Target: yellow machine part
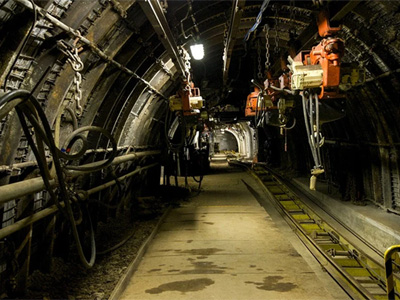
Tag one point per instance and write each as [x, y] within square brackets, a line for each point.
[175, 103]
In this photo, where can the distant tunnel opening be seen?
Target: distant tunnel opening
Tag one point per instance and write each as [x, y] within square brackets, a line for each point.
[225, 141]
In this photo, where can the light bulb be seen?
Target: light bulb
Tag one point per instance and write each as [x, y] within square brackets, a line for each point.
[197, 51]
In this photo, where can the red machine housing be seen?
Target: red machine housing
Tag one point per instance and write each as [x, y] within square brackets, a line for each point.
[327, 54]
[251, 103]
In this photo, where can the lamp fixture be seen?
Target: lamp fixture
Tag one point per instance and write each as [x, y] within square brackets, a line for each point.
[197, 51]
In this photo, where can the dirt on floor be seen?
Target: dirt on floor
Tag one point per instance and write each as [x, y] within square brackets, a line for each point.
[70, 280]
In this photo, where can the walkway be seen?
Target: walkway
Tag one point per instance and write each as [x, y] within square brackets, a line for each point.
[224, 245]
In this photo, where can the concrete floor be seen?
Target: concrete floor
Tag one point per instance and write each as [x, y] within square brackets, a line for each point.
[224, 245]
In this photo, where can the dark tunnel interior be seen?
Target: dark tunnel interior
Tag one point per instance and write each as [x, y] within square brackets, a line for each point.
[100, 89]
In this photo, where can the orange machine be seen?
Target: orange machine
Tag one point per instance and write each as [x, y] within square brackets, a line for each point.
[188, 99]
[326, 55]
[257, 102]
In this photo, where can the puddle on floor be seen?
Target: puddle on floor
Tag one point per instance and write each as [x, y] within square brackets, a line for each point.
[184, 286]
[271, 283]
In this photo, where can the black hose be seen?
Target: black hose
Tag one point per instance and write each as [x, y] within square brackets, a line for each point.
[182, 123]
[73, 116]
[29, 108]
[74, 134]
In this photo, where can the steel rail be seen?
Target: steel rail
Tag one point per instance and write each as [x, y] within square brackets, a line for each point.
[92, 46]
[6, 231]
[236, 14]
[359, 275]
[155, 14]
[23, 188]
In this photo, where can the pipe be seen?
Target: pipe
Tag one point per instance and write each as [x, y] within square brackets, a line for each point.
[112, 182]
[33, 163]
[390, 290]
[4, 232]
[23, 188]
[93, 47]
[118, 160]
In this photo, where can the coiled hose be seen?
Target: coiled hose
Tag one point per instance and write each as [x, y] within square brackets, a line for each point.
[28, 108]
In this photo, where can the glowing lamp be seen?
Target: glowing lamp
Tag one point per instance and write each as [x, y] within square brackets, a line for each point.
[197, 51]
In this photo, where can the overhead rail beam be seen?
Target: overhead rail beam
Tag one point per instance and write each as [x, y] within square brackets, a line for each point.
[236, 14]
[307, 38]
[155, 15]
[92, 46]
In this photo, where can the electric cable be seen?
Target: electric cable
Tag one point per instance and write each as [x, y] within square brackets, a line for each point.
[317, 129]
[119, 245]
[74, 136]
[184, 19]
[291, 127]
[264, 6]
[181, 119]
[28, 108]
[313, 141]
[260, 109]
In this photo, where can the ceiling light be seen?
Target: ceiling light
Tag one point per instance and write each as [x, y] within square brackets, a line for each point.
[197, 51]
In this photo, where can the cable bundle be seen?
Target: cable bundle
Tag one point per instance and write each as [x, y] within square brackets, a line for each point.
[258, 20]
[30, 110]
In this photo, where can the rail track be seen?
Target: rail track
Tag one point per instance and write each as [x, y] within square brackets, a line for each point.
[361, 276]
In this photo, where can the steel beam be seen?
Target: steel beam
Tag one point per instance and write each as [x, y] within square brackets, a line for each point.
[307, 37]
[236, 14]
[92, 46]
[155, 15]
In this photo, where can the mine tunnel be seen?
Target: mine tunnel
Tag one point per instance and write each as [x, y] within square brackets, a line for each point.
[231, 149]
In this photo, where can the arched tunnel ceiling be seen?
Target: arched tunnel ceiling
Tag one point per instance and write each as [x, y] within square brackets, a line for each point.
[362, 46]
[104, 64]
[128, 75]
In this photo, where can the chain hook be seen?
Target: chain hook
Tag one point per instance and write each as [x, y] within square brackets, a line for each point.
[276, 49]
[71, 51]
[267, 55]
[259, 74]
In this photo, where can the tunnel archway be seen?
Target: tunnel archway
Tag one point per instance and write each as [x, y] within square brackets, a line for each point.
[129, 73]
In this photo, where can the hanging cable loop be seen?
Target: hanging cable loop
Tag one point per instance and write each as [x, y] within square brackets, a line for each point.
[311, 118]
[29, 109]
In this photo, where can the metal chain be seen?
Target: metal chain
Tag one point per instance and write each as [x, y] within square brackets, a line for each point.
[186, 58]
[276, 50]
[291, 12]
[267, 62]
[77, 65]
[259, 74]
